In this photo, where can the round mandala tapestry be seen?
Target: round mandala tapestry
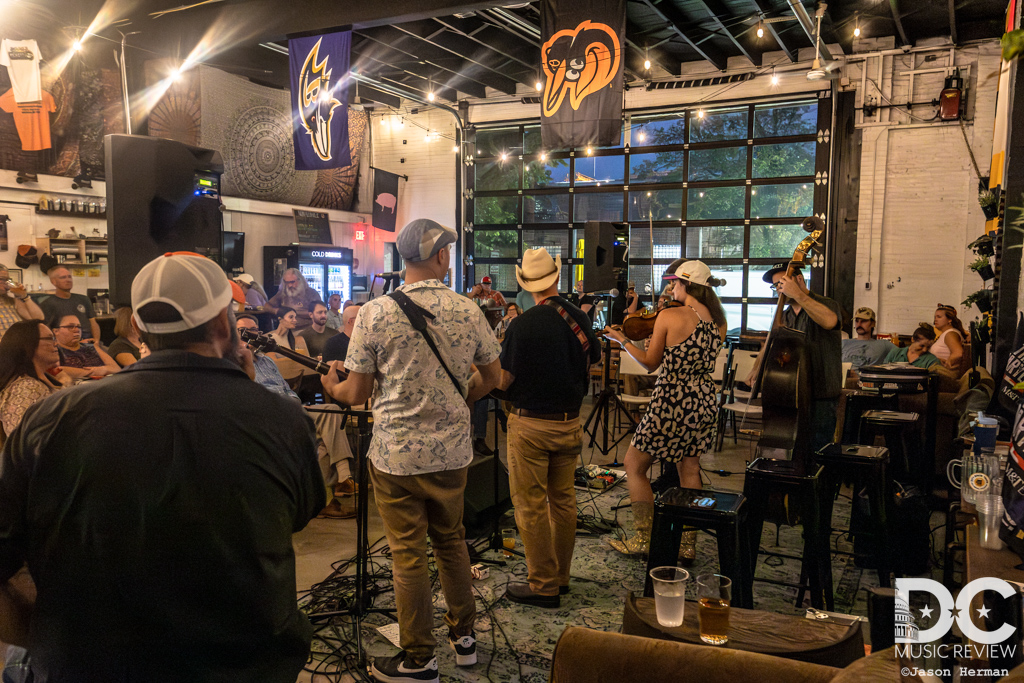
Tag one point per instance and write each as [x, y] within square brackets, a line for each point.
[260, 152]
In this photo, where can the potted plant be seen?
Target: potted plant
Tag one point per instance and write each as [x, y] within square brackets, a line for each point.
[981, 330]
[982, 267]
[982, 299]
[983, 246]
[989, 203]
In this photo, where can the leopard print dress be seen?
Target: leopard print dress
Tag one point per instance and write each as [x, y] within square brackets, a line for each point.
[683, 414]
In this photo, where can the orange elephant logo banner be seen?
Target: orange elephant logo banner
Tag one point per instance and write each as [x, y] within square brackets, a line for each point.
[581, 58]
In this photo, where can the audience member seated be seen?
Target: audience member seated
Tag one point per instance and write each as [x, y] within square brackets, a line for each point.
[917, 353]
[284, 335]
[512, 310]
[128, 347]
[334, 320]
[15, 303]
[28, 356]
[864, 349]
[296, 295]
[259, 367]
[254, 294]
[336, 347]
[949, 345]
[63, 303]
[77, 358]
[317, 334]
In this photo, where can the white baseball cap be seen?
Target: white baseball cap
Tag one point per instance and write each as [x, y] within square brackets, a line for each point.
[694, 271]
[193, 285]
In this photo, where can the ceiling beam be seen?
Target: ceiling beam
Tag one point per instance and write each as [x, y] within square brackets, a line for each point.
[675, 20]
[810, 29]
[717, 10]
[763, 8]
[505, 44]
[894, 7]
[368, 93]
[458, 73]
[487, 74]
[445, 80]
[644, 48]
[952, 21]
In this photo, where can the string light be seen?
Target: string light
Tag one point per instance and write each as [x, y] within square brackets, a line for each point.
[539, 86]
[641, 135]
[856, 26]
[760, 30]
[77, 47]
[543, 156]
[700, 113]
[589, 151]
[431, 96]
[775, 78]
[455, 148]
[647, 60]
[430, 90]
[504, 156]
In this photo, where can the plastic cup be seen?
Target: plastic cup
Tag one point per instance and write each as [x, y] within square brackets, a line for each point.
[985, 431]
[508, 541]
[670, 594]
[714, 596]
[990, 519]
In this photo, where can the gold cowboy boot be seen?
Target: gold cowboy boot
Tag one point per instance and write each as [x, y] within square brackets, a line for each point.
[640, 542]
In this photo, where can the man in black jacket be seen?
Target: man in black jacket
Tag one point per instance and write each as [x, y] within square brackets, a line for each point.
[155, 508]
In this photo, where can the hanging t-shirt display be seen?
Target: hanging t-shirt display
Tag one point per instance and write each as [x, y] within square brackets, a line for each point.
[1012, 530]
[21, 57]
[32, 119]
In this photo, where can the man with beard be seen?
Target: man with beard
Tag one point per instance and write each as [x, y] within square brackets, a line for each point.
[297, 295]
[317, 334]
[169, 480]
[864, 349]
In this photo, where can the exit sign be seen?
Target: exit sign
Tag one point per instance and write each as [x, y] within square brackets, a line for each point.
[360, 235]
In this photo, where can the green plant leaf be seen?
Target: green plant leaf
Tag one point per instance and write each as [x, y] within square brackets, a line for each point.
[1013, 44]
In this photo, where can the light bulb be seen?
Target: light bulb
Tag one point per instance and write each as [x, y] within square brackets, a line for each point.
[589, 151]
[383, 121]
[856, 32]
[504, 156]
[641, 136]
[539, 86]
[775, 78]
[700, 113]
[77, 47]
[455, 148]
[760, 31]
[647, 64]
[430, 96]
[543, 156]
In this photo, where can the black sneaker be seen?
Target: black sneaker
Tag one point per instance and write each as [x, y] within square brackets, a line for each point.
[480, 446]
[465, 649]
[397, 669]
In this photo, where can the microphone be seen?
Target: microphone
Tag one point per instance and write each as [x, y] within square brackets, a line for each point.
[395, 273]
[613, 293]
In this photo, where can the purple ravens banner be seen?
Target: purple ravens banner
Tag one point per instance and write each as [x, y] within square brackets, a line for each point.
[385, 200]
[582, 57]
[319, 73]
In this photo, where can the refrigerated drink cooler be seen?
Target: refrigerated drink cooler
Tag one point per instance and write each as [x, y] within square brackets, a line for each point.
[328, 270]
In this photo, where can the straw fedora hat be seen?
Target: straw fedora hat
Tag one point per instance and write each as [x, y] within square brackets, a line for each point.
[539, 270]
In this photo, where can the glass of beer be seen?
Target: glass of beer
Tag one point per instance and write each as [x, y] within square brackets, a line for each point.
[508, 541]
[714, 594]
[670, 594]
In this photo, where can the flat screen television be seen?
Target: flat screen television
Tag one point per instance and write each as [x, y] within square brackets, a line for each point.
[232, 251]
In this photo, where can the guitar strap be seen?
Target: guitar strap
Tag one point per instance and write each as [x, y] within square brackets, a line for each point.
[574, 326]
[418, 316]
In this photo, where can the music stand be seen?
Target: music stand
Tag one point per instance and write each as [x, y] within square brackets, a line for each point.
[359, 609]
[606, 401]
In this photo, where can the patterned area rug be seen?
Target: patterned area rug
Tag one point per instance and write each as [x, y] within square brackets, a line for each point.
[516, 642]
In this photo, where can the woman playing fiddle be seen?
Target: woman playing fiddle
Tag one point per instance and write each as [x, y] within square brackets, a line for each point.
[680, 423]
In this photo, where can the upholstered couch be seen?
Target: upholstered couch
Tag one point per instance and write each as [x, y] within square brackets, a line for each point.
[586, 656]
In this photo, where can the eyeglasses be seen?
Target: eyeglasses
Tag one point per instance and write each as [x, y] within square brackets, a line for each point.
[70, 327]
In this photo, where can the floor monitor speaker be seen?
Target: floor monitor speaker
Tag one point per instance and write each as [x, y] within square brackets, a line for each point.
[480, 507]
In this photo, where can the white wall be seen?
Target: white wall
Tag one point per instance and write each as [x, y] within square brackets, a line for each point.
[918, 188]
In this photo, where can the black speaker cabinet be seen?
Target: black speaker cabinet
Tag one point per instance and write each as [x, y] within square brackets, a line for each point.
[162, 196]
[480, 508]
[598, 256]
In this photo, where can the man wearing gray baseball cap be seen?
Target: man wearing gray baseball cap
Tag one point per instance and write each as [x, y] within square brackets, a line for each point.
[421, 449]
[155, 508]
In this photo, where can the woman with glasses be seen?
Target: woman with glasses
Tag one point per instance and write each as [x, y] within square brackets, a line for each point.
[80, 359]
[949, 345]
[28, 363]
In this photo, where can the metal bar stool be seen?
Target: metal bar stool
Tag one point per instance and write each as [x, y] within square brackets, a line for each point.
[803, 486]
[708, 510]
[899, 432]
[867, 466]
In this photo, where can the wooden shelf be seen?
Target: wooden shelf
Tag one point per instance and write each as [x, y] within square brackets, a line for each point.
[71, 214]
[44, 245]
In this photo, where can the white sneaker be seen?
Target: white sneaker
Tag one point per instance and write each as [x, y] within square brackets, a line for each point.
[465, 649]
[396, 670]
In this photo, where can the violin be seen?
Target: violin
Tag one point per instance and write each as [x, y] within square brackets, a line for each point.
[640, 325]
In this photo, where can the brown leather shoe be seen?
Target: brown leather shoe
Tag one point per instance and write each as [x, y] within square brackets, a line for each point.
[335, 510]
[524, 595]
[345, 488]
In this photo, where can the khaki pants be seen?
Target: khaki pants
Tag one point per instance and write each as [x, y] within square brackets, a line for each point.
[541, 464]
[413, 507]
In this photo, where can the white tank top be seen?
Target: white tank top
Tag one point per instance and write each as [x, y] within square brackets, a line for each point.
[940, 349]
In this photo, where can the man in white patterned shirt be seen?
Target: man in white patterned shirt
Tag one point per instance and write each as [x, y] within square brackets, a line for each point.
[421, 446]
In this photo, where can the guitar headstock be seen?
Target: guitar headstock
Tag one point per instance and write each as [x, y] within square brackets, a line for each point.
[259, 342]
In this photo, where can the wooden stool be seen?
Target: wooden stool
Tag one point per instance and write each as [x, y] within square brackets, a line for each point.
[803, 486]
[708, 510]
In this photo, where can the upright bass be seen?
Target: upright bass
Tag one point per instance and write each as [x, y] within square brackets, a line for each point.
[783, 378]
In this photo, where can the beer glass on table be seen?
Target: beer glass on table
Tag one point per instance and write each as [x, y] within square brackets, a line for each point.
[714, 595]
